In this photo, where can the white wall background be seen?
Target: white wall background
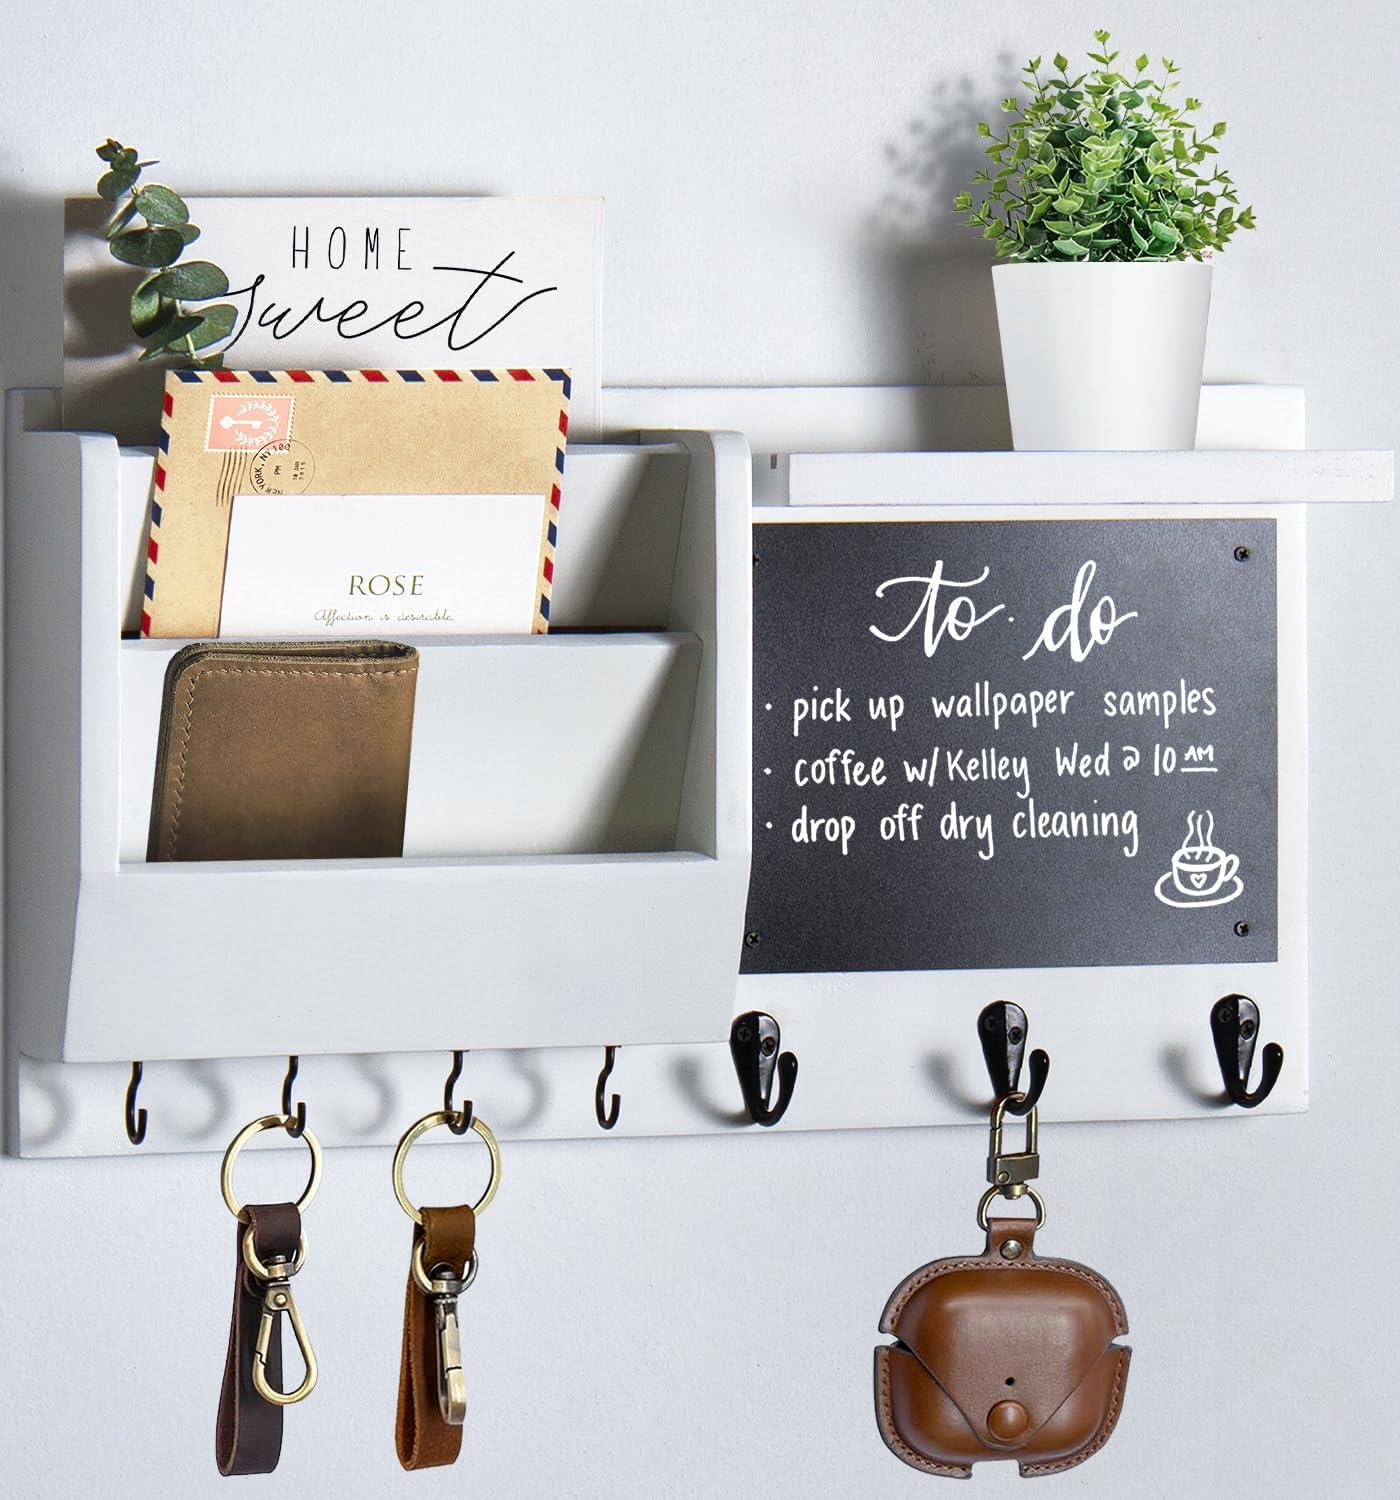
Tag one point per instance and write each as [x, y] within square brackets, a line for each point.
[695, 1318]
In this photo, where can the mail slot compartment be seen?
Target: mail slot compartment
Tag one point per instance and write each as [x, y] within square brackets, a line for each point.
[577, 837]
[566, 744]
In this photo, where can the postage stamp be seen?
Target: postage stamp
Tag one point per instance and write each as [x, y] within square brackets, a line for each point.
[244, 423]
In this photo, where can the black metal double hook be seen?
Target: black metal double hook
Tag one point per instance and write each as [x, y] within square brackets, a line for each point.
[1234, 1024]
[1002, 1029]
[459, 1120]
[607, 1114]
[767, 1074]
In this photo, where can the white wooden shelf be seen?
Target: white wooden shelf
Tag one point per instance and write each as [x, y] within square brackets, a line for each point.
[1219, 477]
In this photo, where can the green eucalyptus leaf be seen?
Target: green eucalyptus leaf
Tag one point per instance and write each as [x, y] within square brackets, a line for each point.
[111, 185]
[149, 310]
[108, 149]
[152, 248]
[193, 280]
[123, 216]
[169, 335]
[189, 233]
[215, 323]
[159, 205]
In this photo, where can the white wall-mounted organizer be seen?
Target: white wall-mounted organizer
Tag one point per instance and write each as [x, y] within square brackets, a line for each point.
[577, 852]
[577, 802]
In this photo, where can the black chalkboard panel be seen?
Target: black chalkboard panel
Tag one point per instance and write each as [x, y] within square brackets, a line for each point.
[1013, 744]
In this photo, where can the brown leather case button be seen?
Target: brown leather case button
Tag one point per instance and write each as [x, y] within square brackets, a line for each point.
[1007, 1420]
[1001, 1358]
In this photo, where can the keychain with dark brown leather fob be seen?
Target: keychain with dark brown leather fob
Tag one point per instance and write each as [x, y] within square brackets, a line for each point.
[271, 1250]
[1002, 1354]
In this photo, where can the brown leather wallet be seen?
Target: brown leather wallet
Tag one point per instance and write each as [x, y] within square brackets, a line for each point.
[284, 750]
[1001, 1355]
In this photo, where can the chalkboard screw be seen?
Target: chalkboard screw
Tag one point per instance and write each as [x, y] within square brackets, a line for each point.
[752, 939]
[1241, 929]
[1241, 554]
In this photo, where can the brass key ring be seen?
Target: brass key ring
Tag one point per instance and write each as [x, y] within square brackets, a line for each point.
[255, 1127]
[421, 1128]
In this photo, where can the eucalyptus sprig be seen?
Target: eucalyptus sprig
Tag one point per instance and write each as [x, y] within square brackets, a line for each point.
[160, 313]
[1106, 165]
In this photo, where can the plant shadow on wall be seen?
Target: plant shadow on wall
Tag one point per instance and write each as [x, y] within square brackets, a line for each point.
[938, 275]
[32, 235]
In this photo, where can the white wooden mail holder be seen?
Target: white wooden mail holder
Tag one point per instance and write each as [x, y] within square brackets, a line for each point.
[578, 830]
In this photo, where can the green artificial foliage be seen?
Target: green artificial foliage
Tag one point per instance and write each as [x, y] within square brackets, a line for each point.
[1107, 165]
[150, 227]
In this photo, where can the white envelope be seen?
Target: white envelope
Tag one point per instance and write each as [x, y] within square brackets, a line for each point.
[381, 565]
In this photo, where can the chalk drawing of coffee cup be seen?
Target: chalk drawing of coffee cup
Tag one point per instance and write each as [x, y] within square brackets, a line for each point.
[1202, 873]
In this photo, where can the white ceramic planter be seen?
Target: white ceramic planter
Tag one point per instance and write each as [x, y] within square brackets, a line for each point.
[1103, 354]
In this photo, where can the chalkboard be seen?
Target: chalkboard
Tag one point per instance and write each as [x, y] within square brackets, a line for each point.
[1012, 744]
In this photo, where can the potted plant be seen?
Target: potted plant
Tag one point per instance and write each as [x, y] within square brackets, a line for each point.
[1106, 201]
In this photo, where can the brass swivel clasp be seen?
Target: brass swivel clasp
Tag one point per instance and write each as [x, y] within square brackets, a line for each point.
[442, 1290]
[277, 1300]
[1010, 1173]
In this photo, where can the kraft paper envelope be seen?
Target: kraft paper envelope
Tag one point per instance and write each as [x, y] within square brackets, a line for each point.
[339, 432]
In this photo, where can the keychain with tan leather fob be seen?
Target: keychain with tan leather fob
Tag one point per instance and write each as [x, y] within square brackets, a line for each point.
[432, 1403]
[1002, 1354]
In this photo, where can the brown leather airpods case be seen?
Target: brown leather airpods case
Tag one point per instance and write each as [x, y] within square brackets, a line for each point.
[1001, 1355]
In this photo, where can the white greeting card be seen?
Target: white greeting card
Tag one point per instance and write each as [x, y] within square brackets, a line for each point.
[381, 565]
[351, 283]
